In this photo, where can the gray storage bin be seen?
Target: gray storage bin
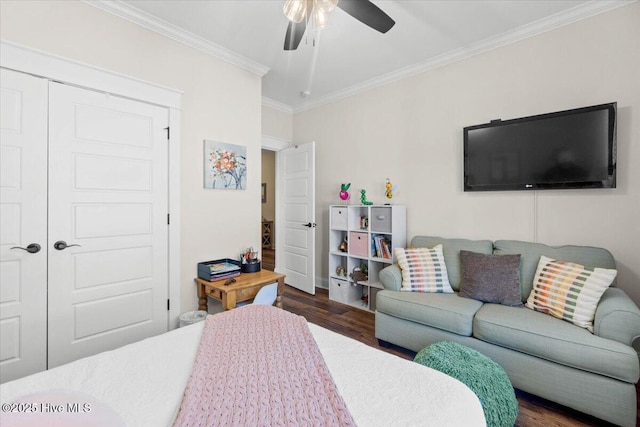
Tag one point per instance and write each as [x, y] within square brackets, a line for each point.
[191, 317]
[381, 219]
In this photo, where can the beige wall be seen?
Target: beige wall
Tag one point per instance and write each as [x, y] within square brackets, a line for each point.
[411, 132]
[269, 177]
[220, 102]
[277, 124]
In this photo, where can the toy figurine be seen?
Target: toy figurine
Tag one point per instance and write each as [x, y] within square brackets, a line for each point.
[344, 191]
[389, 189]
[363, 198]
[341, 271]
[364, 268]
[344, 246]
[358, 275]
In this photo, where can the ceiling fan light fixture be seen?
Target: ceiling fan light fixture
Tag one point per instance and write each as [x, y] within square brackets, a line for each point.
[326, 5]
[295, 10]
[312, 15]
[320, 17]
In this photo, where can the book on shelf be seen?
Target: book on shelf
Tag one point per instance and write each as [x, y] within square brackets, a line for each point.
[386, 248]
[381, 247]
[375, 247]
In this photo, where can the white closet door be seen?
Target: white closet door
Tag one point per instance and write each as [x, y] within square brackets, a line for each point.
[23, 222]
[108, 194]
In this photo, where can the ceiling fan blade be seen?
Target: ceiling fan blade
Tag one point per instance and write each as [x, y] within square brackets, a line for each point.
[367, 13]
[295, 31]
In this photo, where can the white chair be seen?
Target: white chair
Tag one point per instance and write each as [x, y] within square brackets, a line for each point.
[266, 295]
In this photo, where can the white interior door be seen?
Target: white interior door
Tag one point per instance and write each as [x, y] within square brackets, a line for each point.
[295, 243]
[23, 223]
[108, 194]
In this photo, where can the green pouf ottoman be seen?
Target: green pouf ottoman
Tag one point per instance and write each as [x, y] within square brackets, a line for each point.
[482, 375]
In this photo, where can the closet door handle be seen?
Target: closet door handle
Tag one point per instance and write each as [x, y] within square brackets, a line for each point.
[61, 245]
[33, 248]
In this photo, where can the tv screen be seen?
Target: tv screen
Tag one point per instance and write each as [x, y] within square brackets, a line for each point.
[566, 149]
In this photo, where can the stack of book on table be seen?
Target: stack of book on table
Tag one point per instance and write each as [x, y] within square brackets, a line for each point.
[218, 269]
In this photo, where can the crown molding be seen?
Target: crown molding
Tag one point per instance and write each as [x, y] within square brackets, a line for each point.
[39, 63]
[130, 13]
[578, 13]
[277, 105]
[273, 143]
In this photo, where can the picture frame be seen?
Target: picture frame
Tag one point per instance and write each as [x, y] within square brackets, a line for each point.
[225, 166]
[264, 192]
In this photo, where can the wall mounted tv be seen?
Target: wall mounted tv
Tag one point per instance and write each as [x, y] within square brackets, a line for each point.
[566, 149]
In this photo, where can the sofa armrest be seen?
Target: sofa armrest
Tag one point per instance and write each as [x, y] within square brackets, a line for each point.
[618, 318]
[391, 277]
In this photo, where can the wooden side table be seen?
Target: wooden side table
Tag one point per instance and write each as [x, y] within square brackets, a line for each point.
[244, 288]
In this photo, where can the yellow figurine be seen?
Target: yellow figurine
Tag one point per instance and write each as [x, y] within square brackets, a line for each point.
[389, 190]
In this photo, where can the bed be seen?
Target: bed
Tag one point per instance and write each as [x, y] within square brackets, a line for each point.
[143, 384]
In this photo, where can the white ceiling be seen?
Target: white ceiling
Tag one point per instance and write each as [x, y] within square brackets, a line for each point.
[348, 56]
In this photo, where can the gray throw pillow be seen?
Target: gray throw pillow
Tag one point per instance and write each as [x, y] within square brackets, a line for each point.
[491, 278]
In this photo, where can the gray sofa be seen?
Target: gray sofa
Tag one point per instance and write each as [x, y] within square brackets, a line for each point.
[551, 358]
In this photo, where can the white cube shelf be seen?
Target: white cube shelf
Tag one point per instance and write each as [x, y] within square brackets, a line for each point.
[370, 234]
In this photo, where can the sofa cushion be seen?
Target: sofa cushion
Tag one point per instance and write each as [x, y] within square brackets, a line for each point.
[451, 249]
[569, 291]
[491, 278]
[423, 270]
[449, 312]
[543, 336]
[531, 253]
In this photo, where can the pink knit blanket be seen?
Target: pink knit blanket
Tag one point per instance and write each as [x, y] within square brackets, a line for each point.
[260, 366]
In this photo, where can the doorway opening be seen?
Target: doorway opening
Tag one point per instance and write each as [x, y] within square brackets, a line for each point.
[268, 196]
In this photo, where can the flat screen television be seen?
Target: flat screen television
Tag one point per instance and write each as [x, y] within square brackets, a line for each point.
[566, 149]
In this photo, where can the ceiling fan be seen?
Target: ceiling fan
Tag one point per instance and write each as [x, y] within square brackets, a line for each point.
[301, 12]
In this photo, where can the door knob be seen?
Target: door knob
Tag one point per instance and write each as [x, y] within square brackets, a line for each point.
[309, 224]
[33, 248]
[61, 245]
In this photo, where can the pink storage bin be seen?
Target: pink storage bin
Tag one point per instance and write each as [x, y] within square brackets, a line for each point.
[358, 244]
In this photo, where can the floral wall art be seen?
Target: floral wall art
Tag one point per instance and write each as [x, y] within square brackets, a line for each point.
[225, 166]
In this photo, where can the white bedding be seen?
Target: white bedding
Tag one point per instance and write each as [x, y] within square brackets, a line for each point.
[144, 382]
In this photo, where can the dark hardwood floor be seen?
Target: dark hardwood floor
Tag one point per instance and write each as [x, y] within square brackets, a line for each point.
[359, 325]
[268, 259]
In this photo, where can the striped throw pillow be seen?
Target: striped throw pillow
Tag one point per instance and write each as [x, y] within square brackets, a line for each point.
[569, 291]
[423, 270]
